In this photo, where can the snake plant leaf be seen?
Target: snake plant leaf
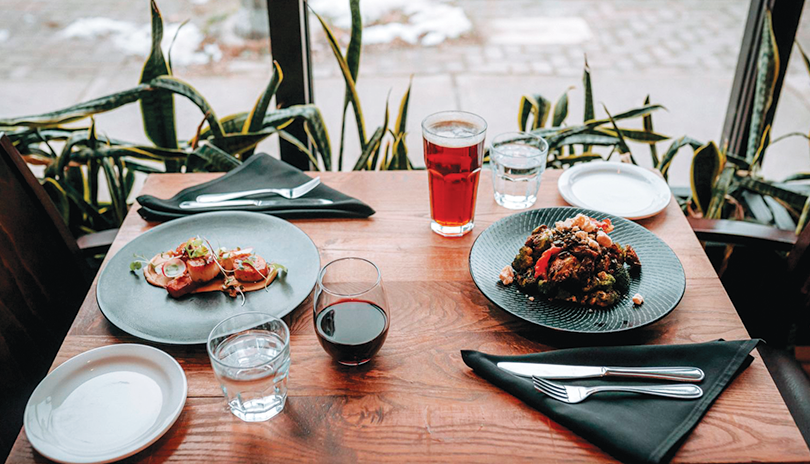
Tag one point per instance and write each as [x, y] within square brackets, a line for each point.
[803, 217]
[119, 206]
[207, 158]
[143, 152]
[582, 157]
[303, 148]
[622, 145]
[67, 153]
[92, 181]
[741, 163]
[719, 191]
[75, 178]
[761, 147]
[349, 80]
[59, 197]
[94, 214]
[648, 127]
[561, 109]
[175, 85]
[588, 91]
[79, 111]
[239, 144]
[373, 148]
[630, 114]
[797, 177]
[706, 166]
[536, 106]
[767, 74]
[589, 139]
[669, 156]
[255, 119]
[402, 115]
[399, 159]
[157, 108]
[643, 136]
[793, 199]
[135, 164]
[353, 51]
[171, 45]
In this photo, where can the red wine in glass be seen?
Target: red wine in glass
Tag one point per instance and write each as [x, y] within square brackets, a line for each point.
[352, 331]
[351, 310]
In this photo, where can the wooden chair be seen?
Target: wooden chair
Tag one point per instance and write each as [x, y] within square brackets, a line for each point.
[43, 280]
[774, 303]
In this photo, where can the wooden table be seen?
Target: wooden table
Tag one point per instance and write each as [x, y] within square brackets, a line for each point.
[416, 400]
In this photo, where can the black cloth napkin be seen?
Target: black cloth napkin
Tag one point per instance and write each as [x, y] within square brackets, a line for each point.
[631, 427]
[259, 171]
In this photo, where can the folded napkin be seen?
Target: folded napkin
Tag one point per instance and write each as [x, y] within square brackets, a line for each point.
[631, 427]
[259, 171]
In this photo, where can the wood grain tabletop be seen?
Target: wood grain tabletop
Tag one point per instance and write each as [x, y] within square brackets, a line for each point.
[416, 400]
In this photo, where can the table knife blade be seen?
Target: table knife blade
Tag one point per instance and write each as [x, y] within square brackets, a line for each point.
[232, 203]
[564, 371]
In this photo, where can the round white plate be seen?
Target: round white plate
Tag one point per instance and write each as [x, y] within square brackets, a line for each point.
[105, 404]
[620, 189]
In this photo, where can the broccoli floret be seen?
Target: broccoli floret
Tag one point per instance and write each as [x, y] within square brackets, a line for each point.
[546, 288]
[622, 278]
[601, 298]
[604, 281]
[523, 260]
[526, 282]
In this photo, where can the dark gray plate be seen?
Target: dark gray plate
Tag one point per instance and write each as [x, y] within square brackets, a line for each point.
[140, 309]
[661, 281]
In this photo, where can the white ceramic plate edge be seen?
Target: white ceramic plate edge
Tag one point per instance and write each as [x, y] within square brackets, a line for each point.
[564, 187]
[76, 363]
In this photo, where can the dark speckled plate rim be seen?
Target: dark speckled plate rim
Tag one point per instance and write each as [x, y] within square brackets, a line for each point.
[574, 210]
[114, 320]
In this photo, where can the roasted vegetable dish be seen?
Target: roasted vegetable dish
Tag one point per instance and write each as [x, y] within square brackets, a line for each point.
[575, 261]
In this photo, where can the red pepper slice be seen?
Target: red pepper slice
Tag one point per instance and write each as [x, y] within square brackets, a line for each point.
[541, 267]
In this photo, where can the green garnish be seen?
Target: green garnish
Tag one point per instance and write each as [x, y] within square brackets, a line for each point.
[139, 262]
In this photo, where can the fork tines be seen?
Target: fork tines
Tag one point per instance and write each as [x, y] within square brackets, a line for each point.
[551, 389]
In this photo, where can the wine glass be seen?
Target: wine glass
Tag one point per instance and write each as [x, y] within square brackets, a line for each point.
[351, 315]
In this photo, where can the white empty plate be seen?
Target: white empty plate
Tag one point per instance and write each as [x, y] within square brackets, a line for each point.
[616, 188]
[105, 404]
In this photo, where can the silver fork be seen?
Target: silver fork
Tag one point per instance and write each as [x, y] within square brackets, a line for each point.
[575, 394]
[289, 193]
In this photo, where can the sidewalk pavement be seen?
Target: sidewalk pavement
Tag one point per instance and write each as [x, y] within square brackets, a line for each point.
[682, 53]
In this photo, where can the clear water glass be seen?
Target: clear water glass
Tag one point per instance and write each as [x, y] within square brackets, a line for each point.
[518, 159]
[250, 354]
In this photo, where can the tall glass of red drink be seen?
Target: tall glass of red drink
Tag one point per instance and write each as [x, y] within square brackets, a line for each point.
[454, 151]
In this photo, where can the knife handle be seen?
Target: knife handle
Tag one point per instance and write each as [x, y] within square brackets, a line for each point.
[679, 374]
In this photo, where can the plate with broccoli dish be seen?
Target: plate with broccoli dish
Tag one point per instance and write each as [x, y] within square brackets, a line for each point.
[577, 270]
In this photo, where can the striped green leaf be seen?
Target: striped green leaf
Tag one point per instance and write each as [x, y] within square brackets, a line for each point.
[797, 177]
[582, 157]
[706, 166]
[636, 135]
[622, 145]
[767, 74]
[719, 191]
[793, 199]
[79, 111]
[669, 156]
[207, 158]
[255, 118]
[648, 127]
[399, 159]
[589, 109]
[353, 52]
[157, 108]
[348, 79]
[535, 106]
[372, 150]
[561, 109]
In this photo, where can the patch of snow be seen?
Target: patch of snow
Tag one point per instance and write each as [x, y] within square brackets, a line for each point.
[4, 35]
[428, 22]
[136, 40]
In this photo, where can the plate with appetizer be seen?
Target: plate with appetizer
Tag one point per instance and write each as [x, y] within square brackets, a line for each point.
[175, 282]
[577, 270]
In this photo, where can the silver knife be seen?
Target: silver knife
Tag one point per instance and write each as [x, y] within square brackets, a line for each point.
[231, 203]
[562, 371]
